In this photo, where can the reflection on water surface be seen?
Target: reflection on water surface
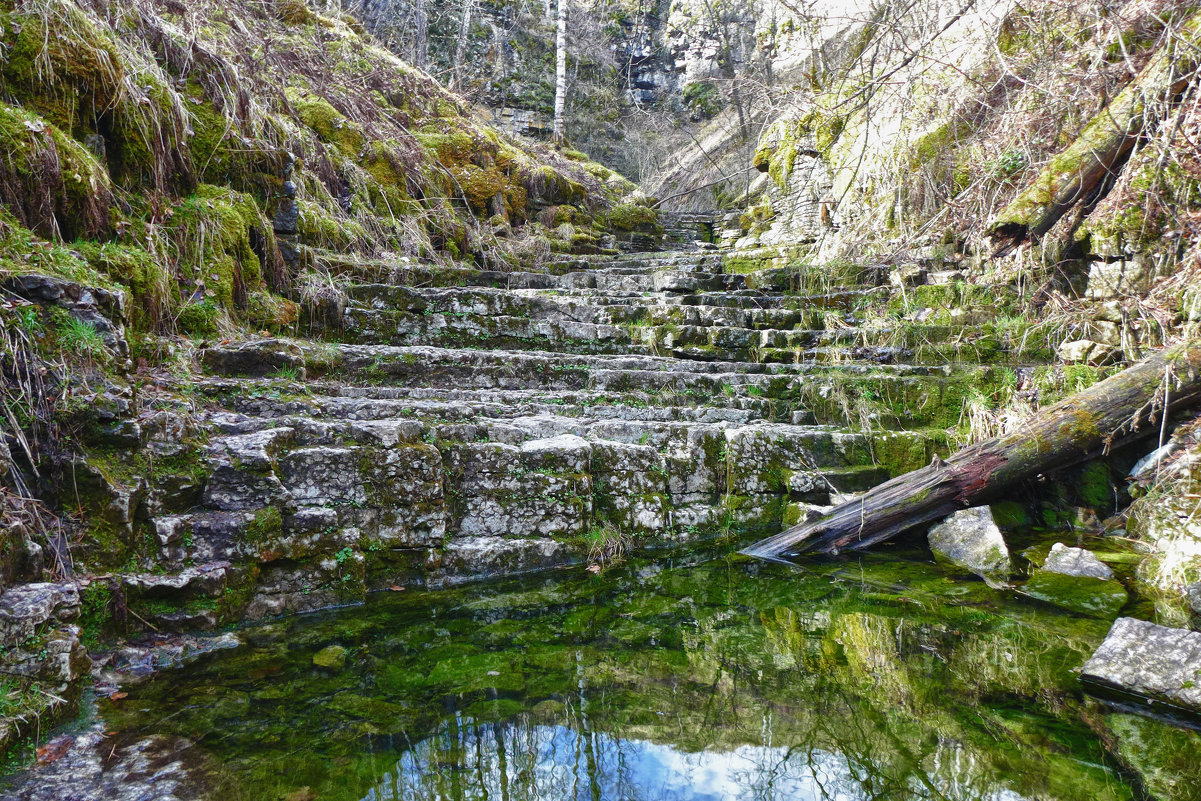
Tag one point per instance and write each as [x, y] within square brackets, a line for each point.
[518, 760]
[881, 678]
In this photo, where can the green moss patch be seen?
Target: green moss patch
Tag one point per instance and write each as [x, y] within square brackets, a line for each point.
[1083, 594]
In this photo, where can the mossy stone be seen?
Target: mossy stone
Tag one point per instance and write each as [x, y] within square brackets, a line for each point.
[331, 657]
[1083, 594]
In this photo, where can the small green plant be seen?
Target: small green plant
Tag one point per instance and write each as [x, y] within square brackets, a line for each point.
[29, 320]
[78, 337]
[1009, 163]
[288, 373]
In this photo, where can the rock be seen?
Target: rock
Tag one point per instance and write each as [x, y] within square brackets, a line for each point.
[255, 358]
[331, 657]
[478, 557]
[907, 275]
[1113, 279]
[1086, 351]
[1163, 756]
[104, 310]
[95, 766]
[1084, 594]
[207, 580]
[161, 652]
[25, 608]
[1159, 664]
[971, 539]
[1193, 593]
[1075, 562]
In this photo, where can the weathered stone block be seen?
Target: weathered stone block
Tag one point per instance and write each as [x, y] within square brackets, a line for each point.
[1160, 664]
[970, 539]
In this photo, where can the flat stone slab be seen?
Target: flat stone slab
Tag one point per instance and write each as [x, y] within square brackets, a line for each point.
[1156, 663]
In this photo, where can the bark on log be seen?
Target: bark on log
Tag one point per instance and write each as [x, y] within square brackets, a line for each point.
[1106, 414]
[1104, 144]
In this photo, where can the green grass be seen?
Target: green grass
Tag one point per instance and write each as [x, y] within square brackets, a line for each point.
[78, 337]
[286, 373]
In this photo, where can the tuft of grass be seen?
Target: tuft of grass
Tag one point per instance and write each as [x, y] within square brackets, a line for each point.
[606, 544]
[78, 337]
[286, 373]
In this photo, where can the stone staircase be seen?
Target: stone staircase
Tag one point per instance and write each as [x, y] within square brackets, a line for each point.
[444, 424]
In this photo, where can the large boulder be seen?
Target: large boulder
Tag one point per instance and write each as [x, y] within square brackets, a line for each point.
[970, 539]
[1154, 663]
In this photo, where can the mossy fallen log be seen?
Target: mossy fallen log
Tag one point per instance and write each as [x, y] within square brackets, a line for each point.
[1116, 410]
[1102, 147]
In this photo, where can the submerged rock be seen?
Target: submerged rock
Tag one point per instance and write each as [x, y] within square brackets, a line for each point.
[1076, 562]
[1084, 594]
[1155, 663]
[91, 765]
[1163, 755]
[332, 657]
[971, 539]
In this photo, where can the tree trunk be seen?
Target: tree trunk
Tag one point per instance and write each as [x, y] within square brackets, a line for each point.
[561, 74]
[421, 34]
[456, 78]
[1103, 145]
[1087, 423]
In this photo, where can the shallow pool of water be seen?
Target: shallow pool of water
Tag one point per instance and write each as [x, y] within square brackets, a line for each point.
[673, 678]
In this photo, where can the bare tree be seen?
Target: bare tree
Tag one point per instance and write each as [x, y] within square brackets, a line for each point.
[561, 73]
[421, 34]
[456, 78]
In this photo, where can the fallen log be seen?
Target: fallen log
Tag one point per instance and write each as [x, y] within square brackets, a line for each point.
[1089, 422]
[1103, 145]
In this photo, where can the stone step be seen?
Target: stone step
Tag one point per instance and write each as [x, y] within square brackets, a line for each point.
[324, 507]
[651, 309]
[402, 271]
[894, 395]
[261, 357]
[750, 299]
[319, 399]
[726, 342]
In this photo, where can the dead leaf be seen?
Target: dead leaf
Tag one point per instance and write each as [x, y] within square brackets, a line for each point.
[117, 696]
[593, 568]
[54, 750]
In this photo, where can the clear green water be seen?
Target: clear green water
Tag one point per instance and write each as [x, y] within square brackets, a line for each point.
[677, 678]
